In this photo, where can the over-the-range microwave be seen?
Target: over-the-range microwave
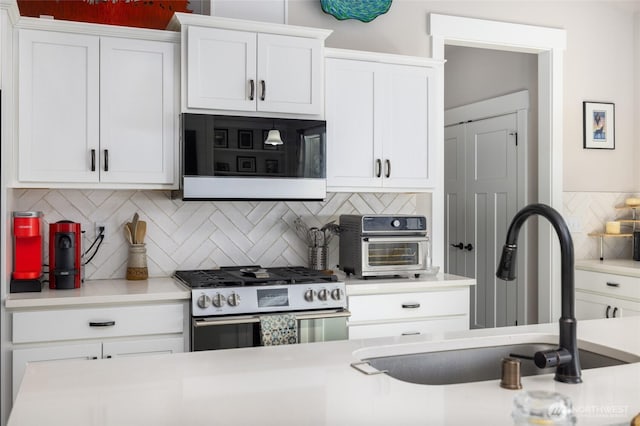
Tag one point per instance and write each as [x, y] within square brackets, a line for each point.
[226, 158]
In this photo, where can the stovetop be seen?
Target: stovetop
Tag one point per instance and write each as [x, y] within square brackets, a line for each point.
[240, 276]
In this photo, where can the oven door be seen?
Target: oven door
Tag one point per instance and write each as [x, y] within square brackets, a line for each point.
[386, 255]
[244, 331]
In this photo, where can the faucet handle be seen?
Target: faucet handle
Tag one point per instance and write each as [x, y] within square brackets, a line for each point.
[552, 358]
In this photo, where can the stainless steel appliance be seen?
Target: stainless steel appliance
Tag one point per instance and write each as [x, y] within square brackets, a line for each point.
[383, 245]
[226, 304]
[227, 157]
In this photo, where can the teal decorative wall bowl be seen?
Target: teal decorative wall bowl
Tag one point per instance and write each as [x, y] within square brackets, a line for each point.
[362, 10]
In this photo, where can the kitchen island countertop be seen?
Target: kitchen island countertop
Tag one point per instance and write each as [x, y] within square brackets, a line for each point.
[314, 384]
[98, 292]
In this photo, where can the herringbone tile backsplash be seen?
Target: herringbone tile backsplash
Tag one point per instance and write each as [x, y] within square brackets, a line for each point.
[189, 235]
[593, 210]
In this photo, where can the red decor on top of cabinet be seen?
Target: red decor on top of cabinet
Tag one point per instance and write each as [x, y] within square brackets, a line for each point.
[132, 13]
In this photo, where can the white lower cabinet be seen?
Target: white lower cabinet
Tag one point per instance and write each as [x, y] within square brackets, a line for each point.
[95, 333]
[604, 295]
[90, 351]
[383, 315]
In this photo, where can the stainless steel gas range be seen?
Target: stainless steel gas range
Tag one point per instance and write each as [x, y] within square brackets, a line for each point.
[228, 304]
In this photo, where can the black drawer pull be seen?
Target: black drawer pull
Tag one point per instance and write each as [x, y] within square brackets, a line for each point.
[606, 313]
[102, 323]
[615, 310]
[410, 305]
[411, 333]
[613, 284]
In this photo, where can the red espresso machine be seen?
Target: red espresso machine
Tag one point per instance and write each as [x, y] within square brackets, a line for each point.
[65, 260]
[27, 252]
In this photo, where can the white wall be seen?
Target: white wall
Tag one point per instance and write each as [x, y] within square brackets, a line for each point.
[598, 63]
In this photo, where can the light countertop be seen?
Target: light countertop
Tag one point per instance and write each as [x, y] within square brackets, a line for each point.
[627, 267]
[314, 384]
[102, 292]
[411, 284]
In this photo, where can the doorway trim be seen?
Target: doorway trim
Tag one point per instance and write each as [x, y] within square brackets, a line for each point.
[549, 44]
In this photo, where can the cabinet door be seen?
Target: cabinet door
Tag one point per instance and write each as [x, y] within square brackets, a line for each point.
[594, 306]
[289, 74]
[221, 69]
[50, 353]
[407, 104]
[354, 152]
[409, 328]
[137, 111]
[58, 112]
[119, 349]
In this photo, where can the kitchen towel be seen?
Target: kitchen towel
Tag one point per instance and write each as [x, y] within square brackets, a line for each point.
[279, 329]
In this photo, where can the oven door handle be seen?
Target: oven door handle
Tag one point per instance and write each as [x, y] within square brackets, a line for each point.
[323, 314]
[199, 322]
[342, 313]
[394, 239]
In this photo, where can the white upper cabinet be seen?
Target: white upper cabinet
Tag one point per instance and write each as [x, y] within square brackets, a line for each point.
[96, 111]
[234, 66]
[59, 105]
[221, 69]
[380, 123]
[138, 114]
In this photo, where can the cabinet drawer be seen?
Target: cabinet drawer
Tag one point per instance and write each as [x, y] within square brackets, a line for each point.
[408, 328]
[609, 284]
[595, 306]
[408, 305]
[85, 323]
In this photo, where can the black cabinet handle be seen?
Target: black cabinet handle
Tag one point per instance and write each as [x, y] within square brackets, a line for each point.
[252, 88]
[606, 313]
[106, 160]
[458, 246]
[410, 305]
[613, 284]
[469, 247]
[102, 323]
[93, 160]
[387, 166]
[94, 357]
[378, 167]
[410, 333]
[264, 90]
[615, 310]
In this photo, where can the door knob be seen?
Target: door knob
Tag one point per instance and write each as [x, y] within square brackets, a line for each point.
[458, 246]
[469, 247]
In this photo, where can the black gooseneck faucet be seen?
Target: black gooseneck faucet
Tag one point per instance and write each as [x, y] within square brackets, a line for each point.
[565, 358]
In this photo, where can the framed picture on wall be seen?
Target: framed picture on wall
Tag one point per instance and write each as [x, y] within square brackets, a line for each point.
[245, 139]
[246, 164]
[271, 166]
[220, 138]
[598, 125]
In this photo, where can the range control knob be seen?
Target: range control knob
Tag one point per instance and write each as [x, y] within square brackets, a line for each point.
[233, 299]
[337, 294]
[204, 301]
[323, 294]
[218, 300]
[395, 223]
[309, 295]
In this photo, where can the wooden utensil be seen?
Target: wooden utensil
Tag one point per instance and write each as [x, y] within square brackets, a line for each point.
[134, 226]
[141, 231]
[127, 233]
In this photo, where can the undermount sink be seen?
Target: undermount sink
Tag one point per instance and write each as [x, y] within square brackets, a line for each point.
[477, 364]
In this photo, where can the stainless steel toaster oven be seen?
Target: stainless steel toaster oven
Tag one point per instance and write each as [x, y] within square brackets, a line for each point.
[383, 245]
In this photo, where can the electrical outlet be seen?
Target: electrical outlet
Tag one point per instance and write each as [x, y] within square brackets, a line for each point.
[99, 226]
[574, 223]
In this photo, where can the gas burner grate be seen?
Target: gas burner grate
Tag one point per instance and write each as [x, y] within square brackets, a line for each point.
[234, 277]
